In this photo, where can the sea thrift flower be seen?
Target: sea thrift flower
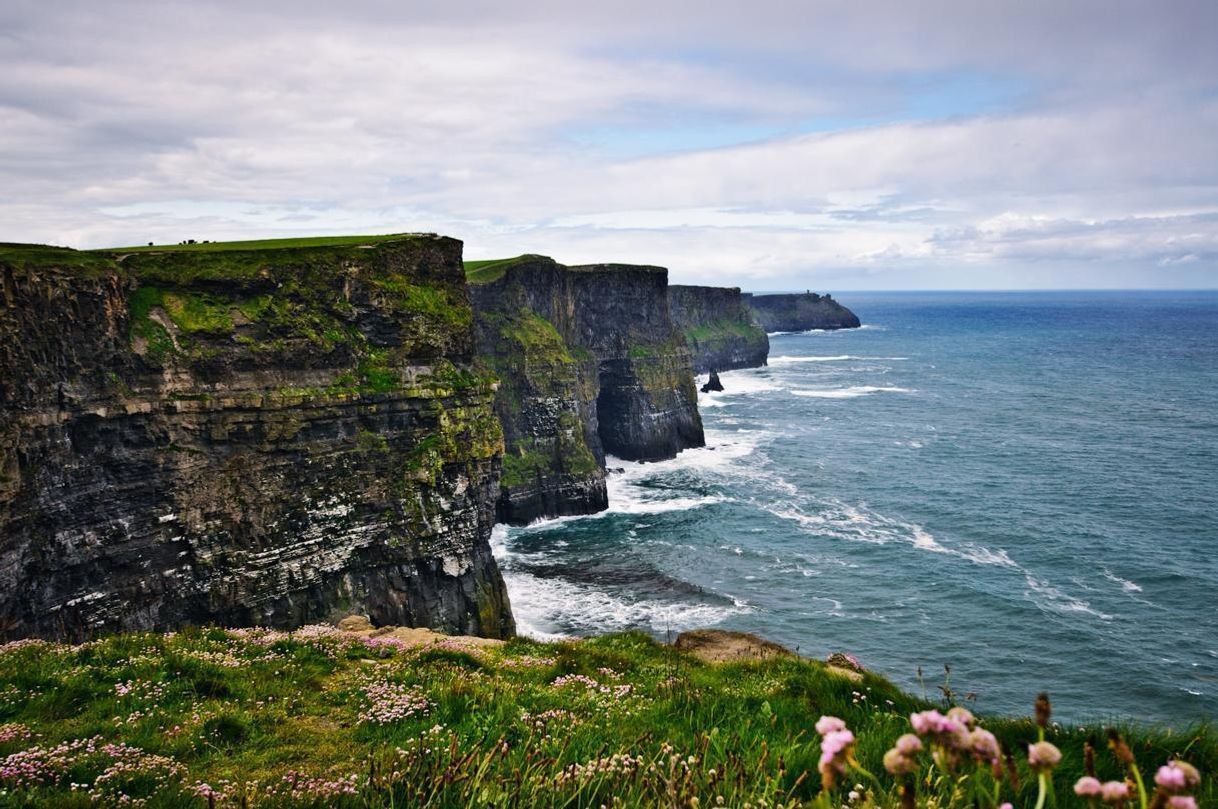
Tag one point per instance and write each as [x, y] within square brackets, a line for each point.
[1182, 802]
[836, 745]
[1088, 787]
[1114, 792]
[984, 746]
[1043, 756]
[828, 724]
[1176, 776]
[963, 716]
[908, 744]
[898, 764]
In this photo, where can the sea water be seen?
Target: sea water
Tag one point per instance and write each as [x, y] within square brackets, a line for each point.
[1023, 486]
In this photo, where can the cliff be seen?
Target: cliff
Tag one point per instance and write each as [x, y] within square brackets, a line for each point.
[590, 364]
[801, 312]
[253, 433]
[720, 329]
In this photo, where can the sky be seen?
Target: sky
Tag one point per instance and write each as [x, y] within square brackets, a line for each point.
[772, 145]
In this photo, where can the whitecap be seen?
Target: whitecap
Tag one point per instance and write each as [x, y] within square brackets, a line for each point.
[1055, 600]
[552, 608]
[1126, 584]
[849, 393]
[788, 360]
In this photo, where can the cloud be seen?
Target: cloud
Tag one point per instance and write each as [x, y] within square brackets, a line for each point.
[778, 143]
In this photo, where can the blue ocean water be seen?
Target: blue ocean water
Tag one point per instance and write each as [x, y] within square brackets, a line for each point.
[1021, 485]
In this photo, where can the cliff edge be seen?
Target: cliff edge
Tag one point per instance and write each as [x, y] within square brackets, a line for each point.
[800, 312]
[590, 363]
[722, 332]
[254, 433]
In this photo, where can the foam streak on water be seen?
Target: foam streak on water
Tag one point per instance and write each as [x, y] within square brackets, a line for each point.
[975, 480]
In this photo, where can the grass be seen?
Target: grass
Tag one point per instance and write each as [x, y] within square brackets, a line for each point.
[324, 718]
[490, 270]
[42, 255]
[264, 244]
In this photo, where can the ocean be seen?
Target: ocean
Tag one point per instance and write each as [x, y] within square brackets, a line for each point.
[1022, 486]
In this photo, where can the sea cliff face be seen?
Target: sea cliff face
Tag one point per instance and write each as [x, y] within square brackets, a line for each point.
[245, 436]
[719, 327]
[590, 364]
[801, 312]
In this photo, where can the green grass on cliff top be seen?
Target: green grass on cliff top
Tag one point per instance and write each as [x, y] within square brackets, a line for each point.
[267, 244]
[488, 270]
[323, 718]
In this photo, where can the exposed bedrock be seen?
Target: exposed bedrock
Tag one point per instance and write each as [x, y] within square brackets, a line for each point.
[800, 312]
[719, 327]
[589, 363]
[249, 436]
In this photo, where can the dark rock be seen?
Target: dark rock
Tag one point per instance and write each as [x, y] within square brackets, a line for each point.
[712, 384]
[801, 312]
[590, 364]
[721, 330]
[244, 437]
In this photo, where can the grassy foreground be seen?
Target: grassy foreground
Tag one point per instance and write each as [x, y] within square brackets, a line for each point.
[320, 717]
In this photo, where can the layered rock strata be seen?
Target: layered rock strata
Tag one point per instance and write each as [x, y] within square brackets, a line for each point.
[255, 435]
[590, 364]
[719, 327]
[800, 312]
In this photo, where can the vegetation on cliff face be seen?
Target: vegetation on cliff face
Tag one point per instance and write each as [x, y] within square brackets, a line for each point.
[325, 718]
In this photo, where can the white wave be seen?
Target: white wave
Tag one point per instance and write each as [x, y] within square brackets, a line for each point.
[1054, 599]
[858, 524]
[1126, 584]
[849, 393]
[787, 360]
[737, 383]
[550, 608]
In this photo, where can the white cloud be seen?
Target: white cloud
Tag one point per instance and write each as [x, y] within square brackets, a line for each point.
[217, 120]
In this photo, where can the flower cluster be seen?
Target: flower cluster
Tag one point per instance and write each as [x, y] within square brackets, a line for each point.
[14, 732]
[392, 702]
[836, 749]
[614, 691]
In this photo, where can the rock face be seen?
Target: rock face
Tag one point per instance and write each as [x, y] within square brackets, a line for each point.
[245, 436]
[801, 312]
[721, 330]
[590, 364]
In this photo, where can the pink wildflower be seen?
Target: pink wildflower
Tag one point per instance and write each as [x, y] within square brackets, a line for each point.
[984, 746]
[829, 724]
[1043, 756]
[1182, 802]
[963, 716]
[1176, 776]
[835, 748]
[908, 744]
[1088, 787]
[1114, 791]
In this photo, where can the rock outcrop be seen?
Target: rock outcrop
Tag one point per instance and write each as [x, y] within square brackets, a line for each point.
[721, 330]
[590, 364]
[800, 312]
[245, 436]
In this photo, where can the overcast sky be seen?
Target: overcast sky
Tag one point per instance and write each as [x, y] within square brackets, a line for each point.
[765, 144]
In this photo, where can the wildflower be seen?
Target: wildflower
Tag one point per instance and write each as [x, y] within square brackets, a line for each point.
[963, 716]
[908, 744]
[1088, 787]
[1043, 756]
[899, 764]
[836, 748]
[984, 746]
[1182, 802]
[828, 724]
[1114, 792]
[1176, 776]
